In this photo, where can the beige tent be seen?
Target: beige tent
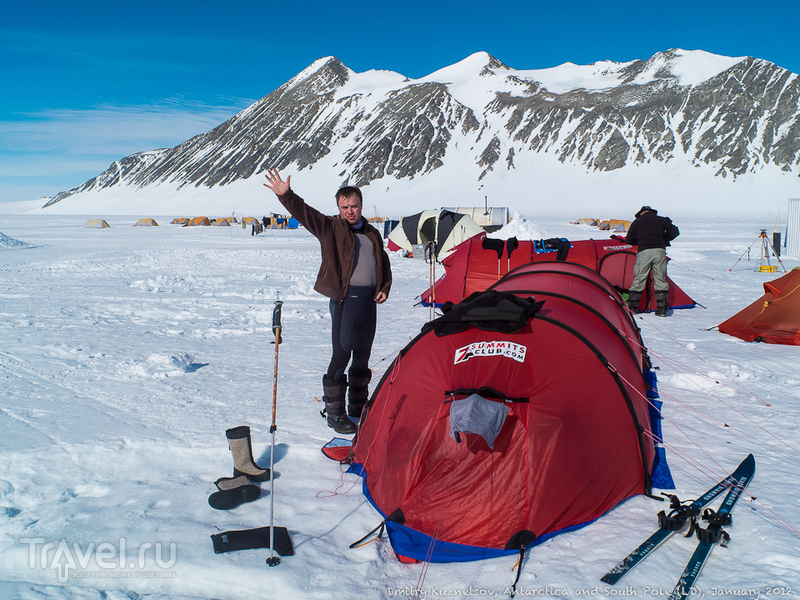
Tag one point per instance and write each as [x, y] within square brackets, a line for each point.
[96, 224]
[586, 221]
[148, 222]
[619, 224]
[249, 220]
[198, 221]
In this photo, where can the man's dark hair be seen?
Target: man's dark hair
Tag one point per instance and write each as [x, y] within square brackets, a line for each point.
[347, 191]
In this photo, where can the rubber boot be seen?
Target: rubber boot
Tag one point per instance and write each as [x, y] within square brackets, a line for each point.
[333, 391]
[358, 392]
[242, 450]
[634, 298]
[662, 303]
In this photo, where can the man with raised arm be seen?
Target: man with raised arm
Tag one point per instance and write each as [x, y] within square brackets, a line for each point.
[356, 275]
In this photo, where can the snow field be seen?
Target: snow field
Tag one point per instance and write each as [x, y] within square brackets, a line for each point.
[125, 354]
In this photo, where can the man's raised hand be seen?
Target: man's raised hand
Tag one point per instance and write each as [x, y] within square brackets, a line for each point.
[276, 184]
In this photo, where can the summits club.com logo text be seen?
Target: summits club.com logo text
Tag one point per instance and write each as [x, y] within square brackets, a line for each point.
[101, 560]
[493, 348]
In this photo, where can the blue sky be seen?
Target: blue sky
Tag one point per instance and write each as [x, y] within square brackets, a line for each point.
[88, 82]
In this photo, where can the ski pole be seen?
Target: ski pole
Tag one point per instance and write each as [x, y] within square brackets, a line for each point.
[274, 560]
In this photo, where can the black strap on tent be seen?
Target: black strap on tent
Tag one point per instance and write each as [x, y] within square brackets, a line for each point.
[519, 541]
[381, 526]
[489, 311]
[396, 517]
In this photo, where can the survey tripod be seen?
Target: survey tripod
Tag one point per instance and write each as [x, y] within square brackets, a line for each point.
[766, 248]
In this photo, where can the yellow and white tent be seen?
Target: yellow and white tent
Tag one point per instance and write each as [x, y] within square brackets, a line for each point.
[97, 224]
[148, 222]
[198, 221]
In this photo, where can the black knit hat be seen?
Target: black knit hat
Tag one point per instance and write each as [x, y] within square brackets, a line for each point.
[643, 210]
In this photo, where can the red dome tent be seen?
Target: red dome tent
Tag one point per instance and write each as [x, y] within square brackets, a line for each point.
[479, 262]
[512, 418]
[773, 318]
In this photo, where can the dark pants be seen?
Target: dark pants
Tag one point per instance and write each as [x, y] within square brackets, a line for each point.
[353, 322]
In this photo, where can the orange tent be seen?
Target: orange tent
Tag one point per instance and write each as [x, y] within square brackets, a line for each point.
[774, 318]
[198, 221]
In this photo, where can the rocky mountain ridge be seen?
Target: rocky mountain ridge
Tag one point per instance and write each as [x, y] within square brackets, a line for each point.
[735, 116]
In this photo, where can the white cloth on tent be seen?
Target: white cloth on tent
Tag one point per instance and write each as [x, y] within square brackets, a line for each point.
[476, 414]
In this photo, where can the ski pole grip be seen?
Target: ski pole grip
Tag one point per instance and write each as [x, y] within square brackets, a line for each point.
[276, 321]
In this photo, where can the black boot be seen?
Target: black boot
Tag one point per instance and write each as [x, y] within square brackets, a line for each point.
[333, 395]
[662, 303]
[358, 392]
[634, 298]
[233, 491]
[242, 450]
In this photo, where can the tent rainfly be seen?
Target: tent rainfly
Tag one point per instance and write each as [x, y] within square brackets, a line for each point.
[444, 228]
[198, 221]
[480, 261]
[517, 415]
[96, 224]
[148, 222]
[773, 318]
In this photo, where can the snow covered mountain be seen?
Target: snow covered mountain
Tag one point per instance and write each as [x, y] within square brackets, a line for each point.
[685, 128]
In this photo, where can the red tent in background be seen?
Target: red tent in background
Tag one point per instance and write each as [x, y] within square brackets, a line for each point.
[511, 418]
[480, 261]
[773, 318]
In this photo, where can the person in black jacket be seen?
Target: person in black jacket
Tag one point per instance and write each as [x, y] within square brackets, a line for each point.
[652, 234]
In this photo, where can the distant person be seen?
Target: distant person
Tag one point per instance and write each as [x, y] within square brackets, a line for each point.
[356, 275]
[652, 234]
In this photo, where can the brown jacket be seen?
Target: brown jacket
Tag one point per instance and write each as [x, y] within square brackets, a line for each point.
[338, 246]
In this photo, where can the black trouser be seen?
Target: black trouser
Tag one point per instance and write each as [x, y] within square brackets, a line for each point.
[353, 322]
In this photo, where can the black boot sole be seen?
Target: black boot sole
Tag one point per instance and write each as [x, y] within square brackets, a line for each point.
[228, 499]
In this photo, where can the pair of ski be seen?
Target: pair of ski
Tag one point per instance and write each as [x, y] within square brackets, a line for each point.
[677, 518]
